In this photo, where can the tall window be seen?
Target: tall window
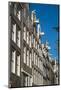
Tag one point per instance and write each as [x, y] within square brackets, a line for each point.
[37, 78]
[34, 77]
[14, 33]
[13, 62]
[28, 57]
[34, 30]
[24, 54]
[38, 46]
[24, 12]
[34, 57]
[15, 8]
[41, 65]
[18, 65]
[38, 61]
[26, 81]
[28, 21]
[30, 61]
[44, 71]
[27, 37]
[18, 38]
[39, 41]
[25, 33]
[30, 81]
[19, 15]
[34, 42]
[30, 41]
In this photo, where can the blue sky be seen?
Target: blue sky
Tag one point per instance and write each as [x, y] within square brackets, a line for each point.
[48, 15]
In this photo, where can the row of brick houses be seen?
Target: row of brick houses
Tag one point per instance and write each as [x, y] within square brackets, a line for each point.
[29, 62]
